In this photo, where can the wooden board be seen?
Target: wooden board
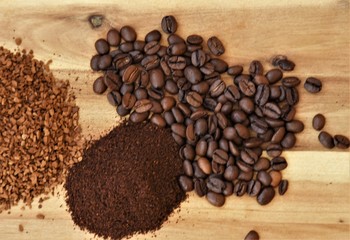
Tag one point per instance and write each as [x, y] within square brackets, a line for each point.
[314, 34]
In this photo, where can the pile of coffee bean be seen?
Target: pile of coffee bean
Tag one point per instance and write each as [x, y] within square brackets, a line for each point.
[39, 129]
[222, 128]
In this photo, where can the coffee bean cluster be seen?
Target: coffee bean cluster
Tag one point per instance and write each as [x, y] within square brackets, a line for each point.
[223, 129]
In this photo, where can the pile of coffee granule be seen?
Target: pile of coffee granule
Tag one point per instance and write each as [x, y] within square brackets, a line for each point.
[127, 182]
[39, 129]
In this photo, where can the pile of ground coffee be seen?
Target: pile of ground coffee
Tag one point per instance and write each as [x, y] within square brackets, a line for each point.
[39, 129]
[127, 182]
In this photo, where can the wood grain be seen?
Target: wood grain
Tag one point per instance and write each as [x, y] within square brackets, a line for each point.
[314, 34]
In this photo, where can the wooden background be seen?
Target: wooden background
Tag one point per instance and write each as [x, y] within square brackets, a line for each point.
[314, 34]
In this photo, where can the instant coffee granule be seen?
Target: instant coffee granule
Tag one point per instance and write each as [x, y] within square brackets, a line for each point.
[39, 130]
[127, 182]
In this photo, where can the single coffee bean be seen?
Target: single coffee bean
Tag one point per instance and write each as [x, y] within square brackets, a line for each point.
[114, 98]
[278, 135]
[178, 139]
[274, 150]
[99, 86]
[143, 105]
[272, 110]
[266, 195]
[102, 46]
[252, 235]
[184, 109]
[253, 188]
[218, 169]
[201, 127]
[220, 66]
[283, 187]
[262, 95]
[279, 163]
[122, 111]
[186, 183]
[207, 69]
[179, 129]
[128, 100]
[187, 152]
[215, 46]
[198, 58]
[198, 173]
[260, 80]
[158, 120]
[235, 70]
[113, 37]
[232, 93]
[204, 165]
[247, 87]
[220, 156]
[318, 122]
[340, 141]
[171, 87]
[216, 199]
[150, 62]
[217, 88]
[169, 117]
[94, 62]
[201, 88]
[168, 103]
[104, 62]
[176, 49]
[249, 156]
[156, 106]
[262, 164]
[192, 74]
[256, 68]
[128, 33]
[169, 24]
[252, 142]
[288, 141]
[223, 144]
[240, 188]
[275, 92]
[141, 93]
[276, 177]
[201, 148]
[261, 127]
[200, 187]
[151, 47]
[313, 85]
[242, 131]
[286, 65]
[153, 35]
[156, 77]
[231, 173]
[292, 96]
[131, 74]
[238, 116]
[194, 99]
[295, 126]
[154, 93]
[187, 167]
[112, 80]
[138, 117]
[215, 184]
[179, 117]
[194, 39]
[290, 81]
[126, 47]
[264, 178]
[246, 176]
[137, 56]
[222, 120]
[139, 45]
[326, 140]
[276, 59]
[212, 146]
[274, 75]
[122, 61]
[243, 166]
[228, 191]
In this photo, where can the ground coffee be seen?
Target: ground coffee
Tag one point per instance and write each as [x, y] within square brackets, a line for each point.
[127, 182]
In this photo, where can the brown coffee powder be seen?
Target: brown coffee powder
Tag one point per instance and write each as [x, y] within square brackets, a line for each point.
[126, 182]
[39, 129]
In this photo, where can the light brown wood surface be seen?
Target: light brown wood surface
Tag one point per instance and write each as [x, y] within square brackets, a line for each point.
[314, 34]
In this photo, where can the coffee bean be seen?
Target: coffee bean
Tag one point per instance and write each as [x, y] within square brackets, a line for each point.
[266, 195]
[288, 141]
[247, 87]
[231, 173]
[99, 86]
[252, 235]
[228, 191]
[262, 164]
[252, 142]
[246, 105]
[253, 188]
[262, 95]
[342, 142]
[198, 173]
[169, 118]
[313, 85]
[217, 168]
[104, 62]
[220, 66]
[279, 163]
[245, 176]
[139, 45]
[131, 74]
[201, 148]
[201, 88]
[295, 126]
[126, 47]
[113, 37]
[326, 140]
[158, 120]
[128, 33]
[292, 96]
[278, 135]
[152, 47]
[143, 105]
[220, 156]
[256, 68]
[272, 110]
[318, 122]
[264, 178]
[141, 93]
[150, 62]
[286, 65]
[260, 126]
[283, 187]
[290, 81]
[274, 150]
[222, 120]
[249, 156]
[232, 93]
[138, 117]
[238, 116]
[176, 49]
[275, 92]
[200, 187]
[178, 139]
[187, 152]
[114, 98]
[154, 93]
[201, 127]
[171, 87]
[260, 80]
[94, 62]
[235, 70]
[169, 24]
[128, 101]
[122, 61]
[215, 46]
[153, 35]
[217, 88]
[102, 46]
[188, 169]
[186, 183]
[194, 99]
[276, 59]
[274, 75]
[192, 74]
[204, 165]
[216, 199]
[227, 108]
[215, 184]
[194, 39]
[156, 106]
[157, 78]
[112, 80]
[198, 58]
[242, 131]
[223, 144]
[276, 177]
[122, 111]
[240, 188]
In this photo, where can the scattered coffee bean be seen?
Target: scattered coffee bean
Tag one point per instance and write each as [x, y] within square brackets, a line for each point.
[266, 195]
[215, 46]
[216, 199]
[169, 24]
[318, 122]
[128, 34]
[342, 142]
[252, 235]
[326, 140]
[283, 187]
[313, 85]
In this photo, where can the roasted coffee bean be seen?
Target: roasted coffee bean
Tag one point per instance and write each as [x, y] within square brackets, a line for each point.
[326, 140]
[220, 156]
[184, 109]
[215, 184]
[144, 79]
[192, 74]
[217, 88]
[94, 62]
[222, 120]
[253, 188]
[128, 100]
[266, 195]
[256, 68]
[171, 87]
[143, 105]
[115, 52]
[245, 176]
[238, 116]
[198, 58]
[102, 46]
[179, 117]
[177, 62]
[246, 105]
[200, 113]
[241, 77]
[260, 80]
[187, 167]
[318, 122]
[264, 178]
[286, 65]
[178, 139]
[276, 177]
[164, 65]
[187, 152]
[283, 187]
[176, 49]
[168, 117]
[247, 87]
[274, 75]
[114, 98]
[174, 38]
[220, 66]
[288, 141]
[242, 131]
[234, 150]
[215, 46]
[232, 93]
[168, 103]
[295, 126]
[183, 84]
[131, 74]
[141, 93]
[217, 168]
[153, 35]
[272, 110]
[209, 103]
[137, 56]
[156, 94]
[138, 117]
[128, 33]
[126, 47]
[157, 78]
[249, 156]
[200, 187]
[151, 47]
[207, 69]
[313, 85]
[279, 163]
[122, 111]
[198, 173]
[169, 24]
[235, 70]
[260, 126]
[228, 191]
[278, 135]
[276, 59]
[150, 62]
[156, 106]
[252, 142]
[122, 61]
[262, 164]
[104, 62]
[201, 148]
[158, 120]
[194, 99]
[252, 235]
[240, 188]
[283, 94]
[274, 123]
[216, 199]
[245, 167]
[262, 95]
[231, 173]
[227, 108]
[113, 37]
[194, 39]
[289, 114]
[201, 88]
[186, 183]
[274, 150]
[139, 45]
[179, 129]
[181, 96]
[290, 81]
[223, 144]
[340, 141]
[292, 96]
[204, 165]
[126, 88]
[201, 127]
[212, 146]
[99, 86]
[275, 92]
[211, 78]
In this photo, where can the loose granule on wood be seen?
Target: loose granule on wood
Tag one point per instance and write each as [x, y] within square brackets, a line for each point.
[40, 216]
[39, 130]
[20, 228]
[127, 182]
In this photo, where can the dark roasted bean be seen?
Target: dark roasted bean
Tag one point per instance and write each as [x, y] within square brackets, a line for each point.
[266, 195]
[256, 68]
[262, 95]
[186, 183]
[290, 81]
[313, 85]
[216, 199]
[169, 24]
[318, 122]
[158, 120]
[279, 163]
[253, 188]
[342, 142]
[215, 46]
[235, 70]
[200, 187]
[274, 75]
[283, 187]
[288, 141]
[326, 140]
